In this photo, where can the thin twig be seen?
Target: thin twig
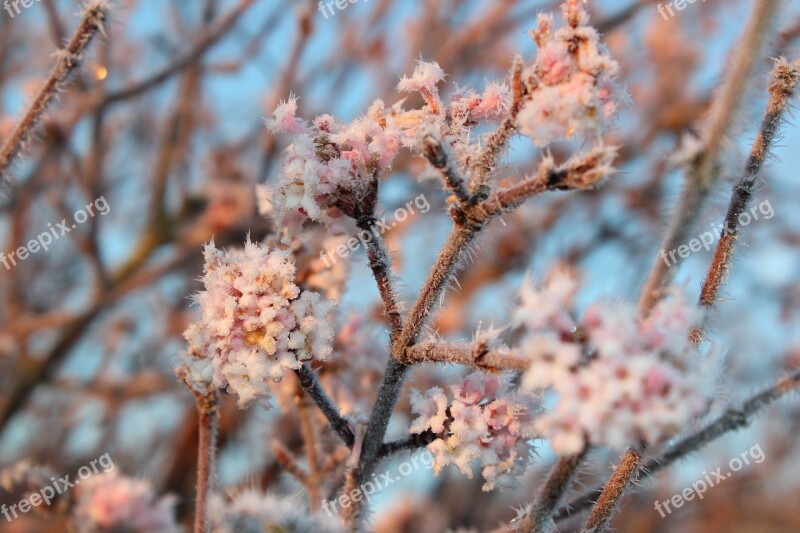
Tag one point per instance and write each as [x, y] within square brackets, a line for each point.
[704, 172]
[538, 519]
[308, 430]
[410, 443]
[381, 265]
[309, 382]
[784, 82]
[464, 354]
[207, 406]
[436, 155]
[94, 14]
[496, 144]
[203, 44]
[288, 462]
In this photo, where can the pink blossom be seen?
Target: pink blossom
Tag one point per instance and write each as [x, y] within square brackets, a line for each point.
[572, 85]
[630, 380]
[283, 119]
[483, 421]
[108, 502]
[255, 323]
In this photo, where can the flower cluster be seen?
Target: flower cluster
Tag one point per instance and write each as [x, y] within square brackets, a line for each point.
[255, 323]
[109, 502]
[250, 511]
[481, 420]
[619, 379]
[330, 168]
[571, 81]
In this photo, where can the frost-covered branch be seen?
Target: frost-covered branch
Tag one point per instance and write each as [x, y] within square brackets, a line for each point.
[785, 76]
[93, 17]
[703, 171]
[538, 518]
[464, 354]
[312, 387]
[438, 158]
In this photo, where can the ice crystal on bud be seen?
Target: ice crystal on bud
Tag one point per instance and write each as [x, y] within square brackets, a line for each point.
[284, 119]
[571, 82]
[481, 420]
[255, 323]
[424, 80]
[620, 379]
[250, 511]
[108, 502]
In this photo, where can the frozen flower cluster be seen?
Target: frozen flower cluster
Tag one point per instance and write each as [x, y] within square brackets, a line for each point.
[619, 379]
[255, 323]
[331, 168]
[109, 502]
[251, 511]
[571, 83]
[481, 420]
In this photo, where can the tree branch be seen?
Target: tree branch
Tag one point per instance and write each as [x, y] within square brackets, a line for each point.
[438, 158]
[463, 354]
[94, 14]
[784, 83]
[309, 382]
[208, 418]
[538, 519]
[704, 173]
[203, 44]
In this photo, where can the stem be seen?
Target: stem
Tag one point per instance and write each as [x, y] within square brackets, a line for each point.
[438, 158]
[381, 265]
[607, 504]
[309, 382]
[203, 44]
[310, 447]
[487, 161]
[785, 77]
[462, 354]
[704, 174]
[409, 443]
[288, 462]
[207, 406]
[539, 519]
[94, 14]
